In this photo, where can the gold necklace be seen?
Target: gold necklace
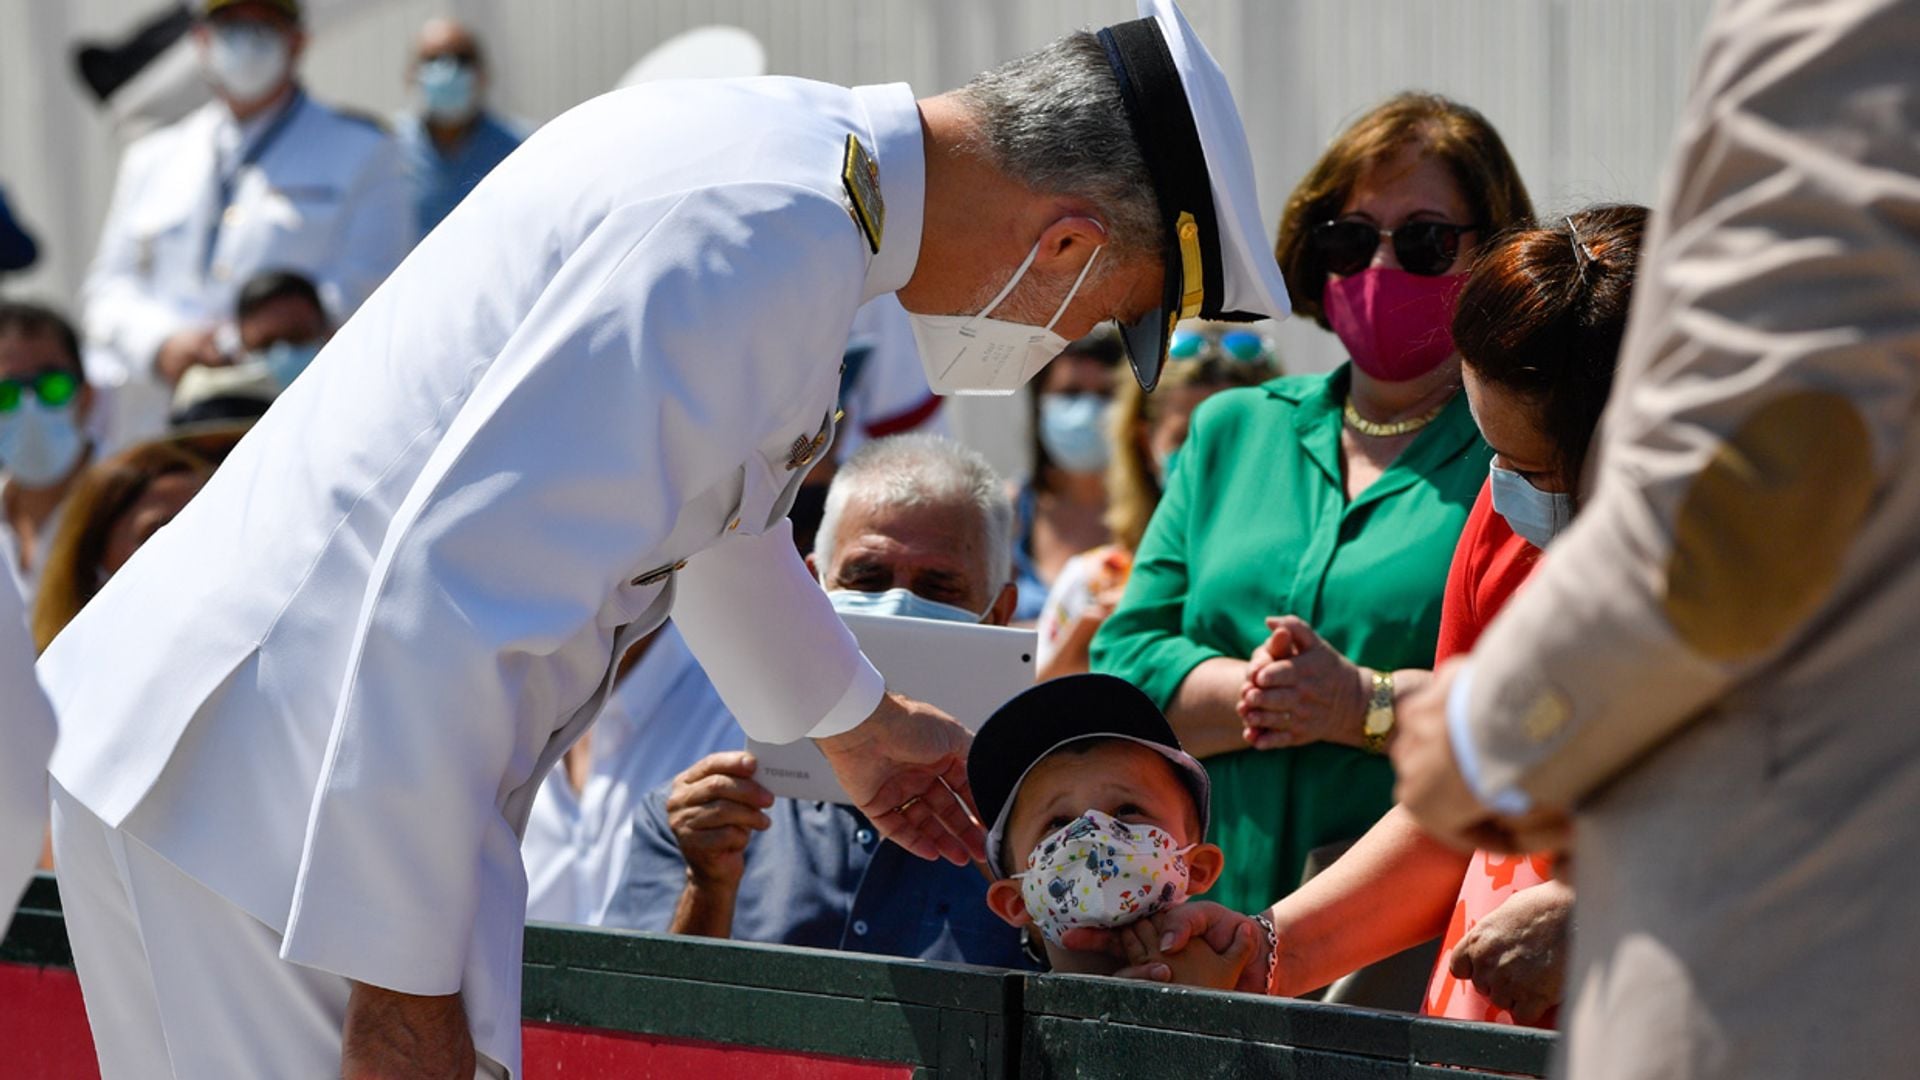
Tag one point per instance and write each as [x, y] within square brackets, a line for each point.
[1399, 427]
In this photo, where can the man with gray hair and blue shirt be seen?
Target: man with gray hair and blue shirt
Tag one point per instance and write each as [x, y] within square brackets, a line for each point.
[915, 525]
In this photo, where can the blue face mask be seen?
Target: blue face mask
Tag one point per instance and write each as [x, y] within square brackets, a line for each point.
[1535, 516]
[1073, 428]
[285, 360]
[447, 90]
[900, 602]
[40, 444]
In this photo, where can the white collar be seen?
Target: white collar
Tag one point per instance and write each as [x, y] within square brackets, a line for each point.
[893, 131]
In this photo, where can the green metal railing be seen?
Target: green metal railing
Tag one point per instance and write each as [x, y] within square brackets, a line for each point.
[945, 1020]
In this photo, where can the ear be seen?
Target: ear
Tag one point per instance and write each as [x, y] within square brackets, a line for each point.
[1004, 898]
[296, 47]
[1067, 244]
[1001, 611]
[83, 403]
[1204, 864]
[812, 566]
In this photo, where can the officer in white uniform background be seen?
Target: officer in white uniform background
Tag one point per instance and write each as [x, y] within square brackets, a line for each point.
[263, 178]
[287, 825]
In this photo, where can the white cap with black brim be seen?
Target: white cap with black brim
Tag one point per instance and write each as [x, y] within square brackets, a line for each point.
[1218, 263]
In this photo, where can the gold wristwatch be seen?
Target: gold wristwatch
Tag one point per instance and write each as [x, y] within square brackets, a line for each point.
[1379, 714]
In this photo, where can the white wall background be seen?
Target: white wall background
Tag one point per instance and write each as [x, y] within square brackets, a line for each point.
[1584, 91]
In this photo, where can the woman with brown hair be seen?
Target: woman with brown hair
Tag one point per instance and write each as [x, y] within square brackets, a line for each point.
[1311, 520]
[1539, 328]
[116, 506]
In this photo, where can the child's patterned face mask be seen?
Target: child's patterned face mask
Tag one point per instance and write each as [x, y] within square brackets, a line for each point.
[1100, 871]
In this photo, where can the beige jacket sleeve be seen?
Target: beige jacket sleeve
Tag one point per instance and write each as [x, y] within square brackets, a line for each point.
[1766, 387]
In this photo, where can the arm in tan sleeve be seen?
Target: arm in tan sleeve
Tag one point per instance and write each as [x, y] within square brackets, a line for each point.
[1765, 388]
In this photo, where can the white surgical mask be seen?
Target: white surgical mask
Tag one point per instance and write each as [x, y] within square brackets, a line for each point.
[902, 602]
[246, 60]
[1073, 429]
[1534, 515]
[976, 354]
[285, 360]
[447, 90]
[1100, 871]
[40, 444]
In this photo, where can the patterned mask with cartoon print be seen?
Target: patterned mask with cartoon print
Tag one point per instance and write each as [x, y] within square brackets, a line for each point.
[1102, 872]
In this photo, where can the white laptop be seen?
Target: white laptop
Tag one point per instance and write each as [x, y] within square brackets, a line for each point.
[964, 669]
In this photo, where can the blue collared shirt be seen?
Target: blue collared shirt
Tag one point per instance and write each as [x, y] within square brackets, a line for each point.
[442, 180]
[821, 876]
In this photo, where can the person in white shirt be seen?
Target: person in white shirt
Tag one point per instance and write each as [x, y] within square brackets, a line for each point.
[26, 722]
[662, 716]
[289, 827]
[264, 178]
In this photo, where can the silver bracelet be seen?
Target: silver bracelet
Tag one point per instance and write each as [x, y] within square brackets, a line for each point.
[1273, 953]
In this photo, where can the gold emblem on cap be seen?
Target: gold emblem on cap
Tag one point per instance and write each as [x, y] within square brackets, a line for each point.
[1193, 287]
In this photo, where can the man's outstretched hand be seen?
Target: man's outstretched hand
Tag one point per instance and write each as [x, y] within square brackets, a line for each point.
[906, 768]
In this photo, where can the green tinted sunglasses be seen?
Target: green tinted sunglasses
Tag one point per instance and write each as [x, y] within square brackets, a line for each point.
[52, 387]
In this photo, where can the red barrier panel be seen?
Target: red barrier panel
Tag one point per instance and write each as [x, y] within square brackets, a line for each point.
[553, 1052]
[43, 1025]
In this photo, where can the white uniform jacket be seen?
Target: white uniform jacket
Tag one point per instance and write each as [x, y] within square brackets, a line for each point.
[330, 689]
[205, 204]
[26, 725]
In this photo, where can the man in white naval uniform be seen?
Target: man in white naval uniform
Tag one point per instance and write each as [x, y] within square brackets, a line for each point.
[264, 178]
[303, 727]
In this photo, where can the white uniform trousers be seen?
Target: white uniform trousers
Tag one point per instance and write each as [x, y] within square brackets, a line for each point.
[159, 956]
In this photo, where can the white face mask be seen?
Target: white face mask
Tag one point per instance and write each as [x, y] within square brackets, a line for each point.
[976, 354]
[1100, 871]
[1535, 516]
[285, 360]
[448, 90]
[246, 61]
[40, 444]
[1073, 429]
[902, 602]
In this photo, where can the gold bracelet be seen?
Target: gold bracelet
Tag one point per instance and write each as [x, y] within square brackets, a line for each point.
[1379, 723]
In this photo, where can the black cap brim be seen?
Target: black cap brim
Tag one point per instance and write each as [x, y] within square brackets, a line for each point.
[1163, 127]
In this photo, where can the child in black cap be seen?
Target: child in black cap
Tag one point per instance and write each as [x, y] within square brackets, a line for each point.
[1096, 817]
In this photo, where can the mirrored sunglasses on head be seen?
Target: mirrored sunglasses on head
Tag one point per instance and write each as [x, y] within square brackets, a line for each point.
[54, 387]
[1427, 248]
[1243, 346]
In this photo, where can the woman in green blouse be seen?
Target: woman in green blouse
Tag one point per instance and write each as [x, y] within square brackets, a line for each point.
[1308, 524]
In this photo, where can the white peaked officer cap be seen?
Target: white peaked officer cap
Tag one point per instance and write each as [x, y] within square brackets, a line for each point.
[1219, 265]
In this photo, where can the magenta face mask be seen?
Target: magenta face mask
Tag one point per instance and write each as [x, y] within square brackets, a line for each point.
[1397, 326]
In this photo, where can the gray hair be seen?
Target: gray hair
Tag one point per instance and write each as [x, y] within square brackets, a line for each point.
[922, 470]
[1054, 121]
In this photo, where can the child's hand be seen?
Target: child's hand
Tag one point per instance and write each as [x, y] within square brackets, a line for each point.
[1198, 964]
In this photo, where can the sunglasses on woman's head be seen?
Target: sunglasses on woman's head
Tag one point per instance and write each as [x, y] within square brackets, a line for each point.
[53, 387]
[1242, 345]
[1427, 248]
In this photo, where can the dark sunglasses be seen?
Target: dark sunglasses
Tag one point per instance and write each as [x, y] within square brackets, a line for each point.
[53, 387]
[1427, 248]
